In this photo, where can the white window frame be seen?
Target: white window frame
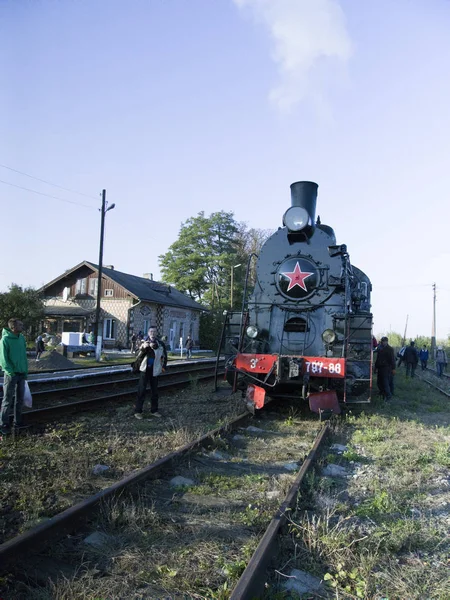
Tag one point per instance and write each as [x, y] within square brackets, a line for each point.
[93, 287]
[109, 327]
[80, 287]
[109, 295]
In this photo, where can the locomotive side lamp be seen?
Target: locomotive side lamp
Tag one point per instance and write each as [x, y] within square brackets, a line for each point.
[328, 336]
[252, 331]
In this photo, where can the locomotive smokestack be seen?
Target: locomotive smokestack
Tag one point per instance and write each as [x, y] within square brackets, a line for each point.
[304, 194]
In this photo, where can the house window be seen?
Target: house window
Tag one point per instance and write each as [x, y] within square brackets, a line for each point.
[93, 287]
[146, 326]
[109, 292]
[109, 329]
[81, 286]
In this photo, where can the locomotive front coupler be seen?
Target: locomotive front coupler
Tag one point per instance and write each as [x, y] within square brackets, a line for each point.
[290, 367]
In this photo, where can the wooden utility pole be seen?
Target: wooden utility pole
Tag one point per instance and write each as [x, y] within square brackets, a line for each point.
[98, 341]
[98, 334]
[433, 325]
[404, 335]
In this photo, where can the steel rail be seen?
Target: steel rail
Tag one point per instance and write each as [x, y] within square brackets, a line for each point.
[252, 581]
[433, 385]
[67, 407]
[104, 366]
[67, 521]
[100, 384]
[171, 369]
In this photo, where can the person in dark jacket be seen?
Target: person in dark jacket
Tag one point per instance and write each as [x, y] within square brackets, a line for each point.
[154, 361]
[40, 346]
[189, 345]
[133, 342]
[441, 360]
[14, 363]
[385, 366]
[411, 359]
[423, 356]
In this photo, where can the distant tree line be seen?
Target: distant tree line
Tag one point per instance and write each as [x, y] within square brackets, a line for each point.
[396, 340]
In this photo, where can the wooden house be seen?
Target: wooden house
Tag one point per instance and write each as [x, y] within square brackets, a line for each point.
[129, 304]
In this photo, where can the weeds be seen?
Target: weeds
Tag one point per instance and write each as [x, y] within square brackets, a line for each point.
[383, 533]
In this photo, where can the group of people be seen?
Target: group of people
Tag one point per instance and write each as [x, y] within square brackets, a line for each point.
[385, 364]
[138, 338]
[411, 357]
[152, 359]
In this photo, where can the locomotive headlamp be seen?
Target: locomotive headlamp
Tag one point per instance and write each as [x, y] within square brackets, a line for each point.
[296, 218]
[328, 336]
[252, 331]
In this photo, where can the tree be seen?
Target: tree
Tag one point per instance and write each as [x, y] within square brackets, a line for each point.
[21, 303]
[395, 339]
[198, 261]
[249, 242]
[211, 324]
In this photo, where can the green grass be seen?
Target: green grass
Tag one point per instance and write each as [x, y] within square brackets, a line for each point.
[383, 532]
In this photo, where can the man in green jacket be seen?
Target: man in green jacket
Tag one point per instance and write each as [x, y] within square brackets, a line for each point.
[14, 363]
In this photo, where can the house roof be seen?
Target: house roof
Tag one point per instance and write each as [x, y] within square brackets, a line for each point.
[149, 290]
[141, 288]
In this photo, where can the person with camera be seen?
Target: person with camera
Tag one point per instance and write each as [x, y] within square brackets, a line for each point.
[153, 361]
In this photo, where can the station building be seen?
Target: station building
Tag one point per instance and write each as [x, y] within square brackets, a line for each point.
[129, 304]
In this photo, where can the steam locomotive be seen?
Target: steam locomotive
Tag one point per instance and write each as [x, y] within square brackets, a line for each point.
[305, 331]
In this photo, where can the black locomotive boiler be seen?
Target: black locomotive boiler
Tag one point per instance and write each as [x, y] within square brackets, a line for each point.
[305, 330]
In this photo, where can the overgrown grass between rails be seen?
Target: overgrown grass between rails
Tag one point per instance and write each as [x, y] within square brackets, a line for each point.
[43, 474]
[382, 532]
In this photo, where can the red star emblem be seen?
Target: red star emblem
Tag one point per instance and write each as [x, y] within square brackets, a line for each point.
[297, 277]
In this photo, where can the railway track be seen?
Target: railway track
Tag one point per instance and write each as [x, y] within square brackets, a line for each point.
[197, 510]
[54, 402]
[47, 380]
[441, 384]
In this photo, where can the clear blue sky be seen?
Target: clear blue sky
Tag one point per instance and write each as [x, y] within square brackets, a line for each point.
[179, 106]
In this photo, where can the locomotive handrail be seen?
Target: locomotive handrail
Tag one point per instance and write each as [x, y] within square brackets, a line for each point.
[244, 298]
[220, 348]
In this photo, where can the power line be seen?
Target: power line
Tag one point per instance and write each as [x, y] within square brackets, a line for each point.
[48, 195]
[400, 287]
[48, 182]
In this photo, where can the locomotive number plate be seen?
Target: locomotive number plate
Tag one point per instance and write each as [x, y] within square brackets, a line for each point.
[323, 366]
[256, 363]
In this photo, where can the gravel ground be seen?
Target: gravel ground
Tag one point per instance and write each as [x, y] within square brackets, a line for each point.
[43, 474]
